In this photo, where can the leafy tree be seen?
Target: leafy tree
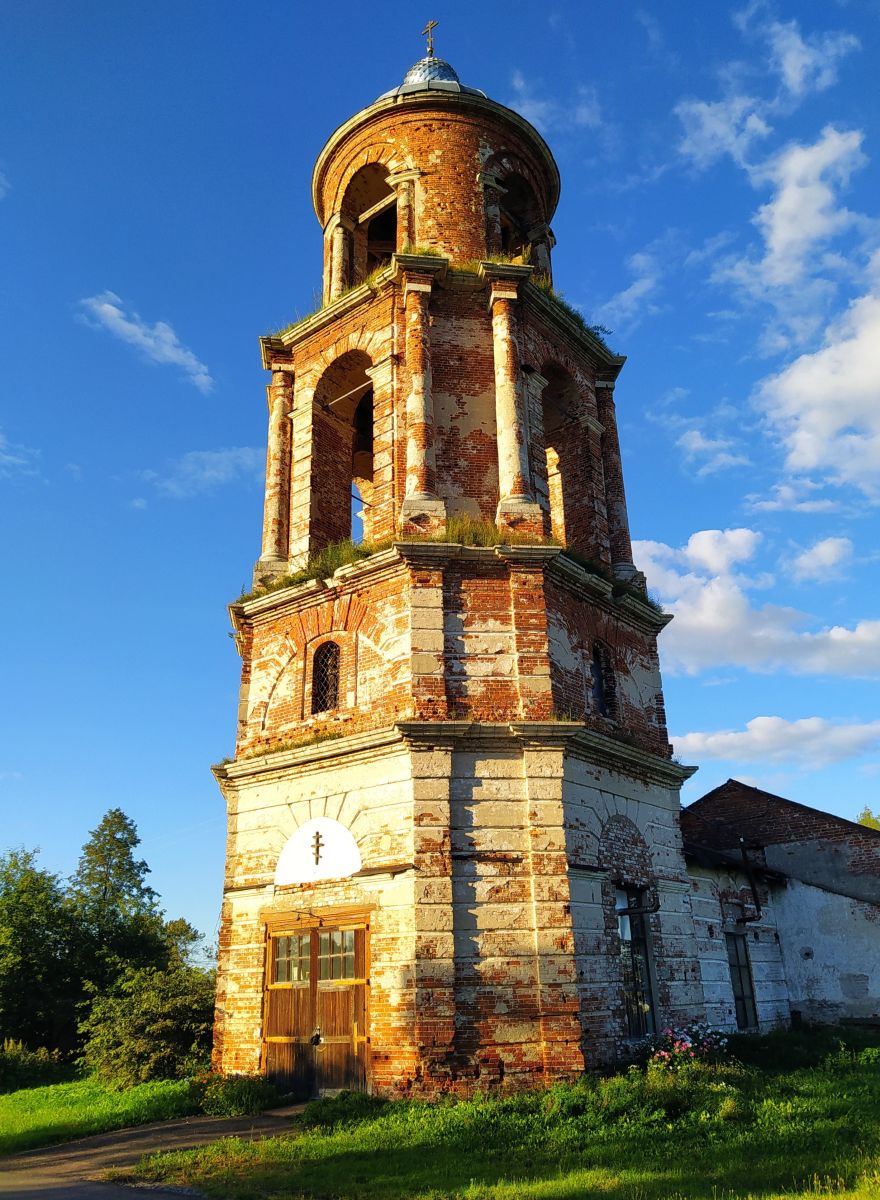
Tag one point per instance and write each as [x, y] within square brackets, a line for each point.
[37, 988]
[153, 1024]
[866, 817]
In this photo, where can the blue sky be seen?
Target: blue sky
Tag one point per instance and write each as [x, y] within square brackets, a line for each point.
[719, 212]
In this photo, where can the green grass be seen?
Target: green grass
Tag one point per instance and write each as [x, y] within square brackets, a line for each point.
[465, 531]
[43, 1115]
[707, 1133]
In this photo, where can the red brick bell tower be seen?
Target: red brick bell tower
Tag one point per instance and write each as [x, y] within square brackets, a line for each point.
[454, 857]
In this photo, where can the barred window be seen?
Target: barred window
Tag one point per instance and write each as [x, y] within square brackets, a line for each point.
[741, 980]
[638, 994]
[325, 678]
[602, 682]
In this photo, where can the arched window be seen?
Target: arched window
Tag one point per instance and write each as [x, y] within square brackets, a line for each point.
[325, 678]
[370, 203]
[601, 682]
[342, 453]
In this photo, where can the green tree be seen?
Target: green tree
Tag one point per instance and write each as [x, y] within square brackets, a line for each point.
[119, 921]
[37, 987]
[152, 1024]
[866, 817]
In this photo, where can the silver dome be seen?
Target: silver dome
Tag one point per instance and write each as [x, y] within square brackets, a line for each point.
[431, 74]
[430, 68]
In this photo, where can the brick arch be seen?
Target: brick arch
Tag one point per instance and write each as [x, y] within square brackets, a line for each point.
[624, 853]
[346, 168]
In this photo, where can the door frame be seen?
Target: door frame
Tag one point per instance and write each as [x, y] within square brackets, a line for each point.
[279, 923]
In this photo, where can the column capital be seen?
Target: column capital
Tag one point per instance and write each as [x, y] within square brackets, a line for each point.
[398, 177]
[504, 280]
[338, 221]
[382, 372]
[429, 266]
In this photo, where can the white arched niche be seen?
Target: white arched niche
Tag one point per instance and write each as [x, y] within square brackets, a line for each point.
[320, 849]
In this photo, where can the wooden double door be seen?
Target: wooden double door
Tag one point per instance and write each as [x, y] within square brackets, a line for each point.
[315, 1036]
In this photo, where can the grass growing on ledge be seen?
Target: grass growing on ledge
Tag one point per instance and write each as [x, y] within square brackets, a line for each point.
[421, 251]
[460, 530]
[599, 332]
[775, 1129]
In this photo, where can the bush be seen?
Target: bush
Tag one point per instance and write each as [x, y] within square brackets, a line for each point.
[23, 1068]
[236, 1095]
[153, 1024]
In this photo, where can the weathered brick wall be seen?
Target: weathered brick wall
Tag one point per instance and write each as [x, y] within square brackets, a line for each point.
[633, 690]
[719, 897]
[623, 829]
[448, 142]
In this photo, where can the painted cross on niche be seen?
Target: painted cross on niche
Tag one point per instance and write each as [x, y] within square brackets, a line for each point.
[317, 843]
[321, 848]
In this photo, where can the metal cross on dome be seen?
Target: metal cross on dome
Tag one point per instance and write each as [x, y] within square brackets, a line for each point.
[317, 845]
[428, 32]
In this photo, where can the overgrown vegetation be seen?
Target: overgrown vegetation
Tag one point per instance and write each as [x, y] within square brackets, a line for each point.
[599, 332]
[460, 530]
[24, 1068]
[235, 1095]
[701, 1132]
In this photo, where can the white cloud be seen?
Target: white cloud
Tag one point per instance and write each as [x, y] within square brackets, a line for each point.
[201, 471]
[789, 497]
[713, 128]
[157, 343]
[16, 459]
[823, 560]
[717, 453]
[825, 406]
[803, 64]
[811, 743]
[804, 212]
[549, 113]
[628, 305]
[716, 624]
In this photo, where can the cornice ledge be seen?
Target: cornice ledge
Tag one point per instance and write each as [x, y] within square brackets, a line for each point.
[276, 761]
[528, 555]
[642, 612]
[606, 751]
[305, 592]
[492, 272]
[571, 570]
[583, 338]
[327, 314]
[447, 734]
[419, 264]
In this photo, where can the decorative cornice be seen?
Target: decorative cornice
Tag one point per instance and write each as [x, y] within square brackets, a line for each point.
[434, 265]
[278, 762]
[583, 340]
[497, 272]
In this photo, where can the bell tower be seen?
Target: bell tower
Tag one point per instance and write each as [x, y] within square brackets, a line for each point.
[454, 858]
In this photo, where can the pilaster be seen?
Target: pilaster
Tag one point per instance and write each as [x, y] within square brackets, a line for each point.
[615, 496]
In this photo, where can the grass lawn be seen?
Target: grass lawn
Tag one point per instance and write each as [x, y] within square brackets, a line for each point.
[796, 1116]
[43, 1115]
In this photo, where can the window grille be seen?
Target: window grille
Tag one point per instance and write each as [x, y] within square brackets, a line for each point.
[638, 995]
[601, 682]
[325, 678]
[741, 979]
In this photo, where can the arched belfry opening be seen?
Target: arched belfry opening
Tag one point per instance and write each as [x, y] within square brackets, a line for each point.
[342, 452]
[370, 207]
[560, 402]
[520, 214]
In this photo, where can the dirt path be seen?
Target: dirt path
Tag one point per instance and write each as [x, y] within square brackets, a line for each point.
[68, 1171]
